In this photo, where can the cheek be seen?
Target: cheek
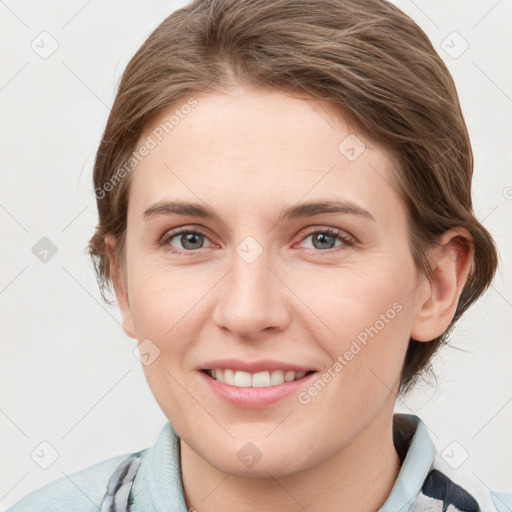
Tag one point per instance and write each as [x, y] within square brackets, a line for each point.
[159, 295]
[167, 308]
[348, 300]
[162, 305]
[366, 318]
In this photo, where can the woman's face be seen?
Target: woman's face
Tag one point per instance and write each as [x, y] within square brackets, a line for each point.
[268, 281]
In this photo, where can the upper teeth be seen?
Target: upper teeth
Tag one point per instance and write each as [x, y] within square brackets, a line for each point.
[256, 380]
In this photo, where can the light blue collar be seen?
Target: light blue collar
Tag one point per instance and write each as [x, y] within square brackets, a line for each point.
[158, 486]
[416, 466]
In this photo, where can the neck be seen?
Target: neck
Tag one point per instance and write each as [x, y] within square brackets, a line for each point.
[358, 478]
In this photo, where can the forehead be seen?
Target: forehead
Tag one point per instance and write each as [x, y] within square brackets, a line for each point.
[253, 145]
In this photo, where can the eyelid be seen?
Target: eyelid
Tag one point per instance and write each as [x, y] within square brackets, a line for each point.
[170, 234]
[335, 232]
[343, 236]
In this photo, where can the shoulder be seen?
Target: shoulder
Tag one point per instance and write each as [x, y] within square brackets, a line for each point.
[502, 501]
[463, 489]
[438, 481]
[81, 491]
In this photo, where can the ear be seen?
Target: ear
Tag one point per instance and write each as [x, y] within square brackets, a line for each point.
[438, 298]
[120, 287]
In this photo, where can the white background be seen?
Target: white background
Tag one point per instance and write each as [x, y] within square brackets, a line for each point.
[68, 373]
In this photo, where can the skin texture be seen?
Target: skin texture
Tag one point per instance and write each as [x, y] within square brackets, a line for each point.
[247, 154]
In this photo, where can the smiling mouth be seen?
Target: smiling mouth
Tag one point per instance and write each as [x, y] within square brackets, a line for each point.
[263, 379]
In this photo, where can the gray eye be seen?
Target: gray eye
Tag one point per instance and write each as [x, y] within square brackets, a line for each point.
[189, 240]
[323, 241]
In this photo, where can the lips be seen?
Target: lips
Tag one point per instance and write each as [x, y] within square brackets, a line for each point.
[245, 394]
[254, 366]
[261, 379]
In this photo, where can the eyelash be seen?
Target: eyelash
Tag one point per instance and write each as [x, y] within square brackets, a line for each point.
[335, 233]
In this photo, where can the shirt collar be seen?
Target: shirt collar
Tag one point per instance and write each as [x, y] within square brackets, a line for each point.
[158, 486]
[417, 451]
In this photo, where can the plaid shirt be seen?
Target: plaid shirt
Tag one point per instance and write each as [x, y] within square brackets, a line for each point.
[150, 481]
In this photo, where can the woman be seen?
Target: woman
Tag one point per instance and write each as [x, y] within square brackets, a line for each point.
[284, 196]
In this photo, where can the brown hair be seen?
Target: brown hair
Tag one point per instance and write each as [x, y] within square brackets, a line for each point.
[365, 57]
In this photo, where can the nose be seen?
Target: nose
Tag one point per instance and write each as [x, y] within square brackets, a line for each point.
[252, 299]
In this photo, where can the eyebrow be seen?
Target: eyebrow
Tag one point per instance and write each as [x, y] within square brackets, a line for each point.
[296, 211]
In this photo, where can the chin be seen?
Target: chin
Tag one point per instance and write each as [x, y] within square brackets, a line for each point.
[262, 469]
[257, 461]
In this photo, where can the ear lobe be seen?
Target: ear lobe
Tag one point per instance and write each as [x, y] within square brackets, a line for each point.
[120, 287]
[436, 306]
